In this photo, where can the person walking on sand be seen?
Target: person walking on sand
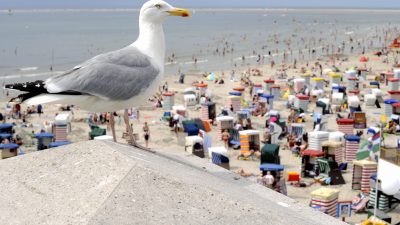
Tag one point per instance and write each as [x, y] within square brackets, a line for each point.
[232, 78]
[39, 109]
[225, 138]
[251, 89]
[146, 131]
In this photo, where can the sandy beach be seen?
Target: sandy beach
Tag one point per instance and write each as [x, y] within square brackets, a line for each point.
[163, 139]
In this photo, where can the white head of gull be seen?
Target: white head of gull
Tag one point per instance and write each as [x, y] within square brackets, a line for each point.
[151, 38]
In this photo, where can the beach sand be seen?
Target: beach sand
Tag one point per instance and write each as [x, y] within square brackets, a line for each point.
[163, 139]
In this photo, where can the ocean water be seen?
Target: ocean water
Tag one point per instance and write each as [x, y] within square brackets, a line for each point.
[33, 41]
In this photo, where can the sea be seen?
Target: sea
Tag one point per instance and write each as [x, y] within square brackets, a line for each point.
[38, 43]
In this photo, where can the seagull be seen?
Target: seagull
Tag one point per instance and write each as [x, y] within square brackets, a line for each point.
[115, 80]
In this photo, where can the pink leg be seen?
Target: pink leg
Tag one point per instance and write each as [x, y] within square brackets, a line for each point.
[112, 125]
[130, 133]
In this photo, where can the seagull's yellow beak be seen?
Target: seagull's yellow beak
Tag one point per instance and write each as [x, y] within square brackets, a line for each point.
[179, 12]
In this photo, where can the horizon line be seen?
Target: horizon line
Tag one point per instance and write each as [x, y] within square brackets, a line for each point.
[287, 9]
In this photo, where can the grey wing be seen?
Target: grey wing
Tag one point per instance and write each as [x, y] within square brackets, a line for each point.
[118, 75]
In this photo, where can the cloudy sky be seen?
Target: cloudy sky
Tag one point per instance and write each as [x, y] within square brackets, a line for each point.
[200, 3]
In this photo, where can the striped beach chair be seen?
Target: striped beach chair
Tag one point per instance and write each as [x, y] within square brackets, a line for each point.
[220, 160]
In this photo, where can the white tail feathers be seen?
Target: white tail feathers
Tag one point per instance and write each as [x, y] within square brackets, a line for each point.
[48, 98]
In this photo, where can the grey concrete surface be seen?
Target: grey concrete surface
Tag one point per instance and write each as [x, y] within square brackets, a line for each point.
[107, 183]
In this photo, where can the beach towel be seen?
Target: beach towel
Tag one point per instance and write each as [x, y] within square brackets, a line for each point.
[359, 203]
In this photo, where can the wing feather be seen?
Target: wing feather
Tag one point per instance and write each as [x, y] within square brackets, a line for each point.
[117, 75]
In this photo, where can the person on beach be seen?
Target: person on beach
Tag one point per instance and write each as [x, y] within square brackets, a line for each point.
[101, 118]
[243, 173]
[292, 116]
[137, 115]
[225, 138]
[175, 122]
[377, 104]
[267, 137]
[146, 131]
[39, 109]
[18, 140]
[261, 179]
[232, 77]
[108, 119]
[95, 118]
[181, 78]
[5, 141]
[165, 87]
[269, 180]
[17, 111]
[393, 127]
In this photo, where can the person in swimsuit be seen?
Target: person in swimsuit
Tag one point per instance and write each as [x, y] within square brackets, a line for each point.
[225, 138]
[146, 131]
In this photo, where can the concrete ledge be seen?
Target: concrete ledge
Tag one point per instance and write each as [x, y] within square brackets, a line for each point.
[99, 182]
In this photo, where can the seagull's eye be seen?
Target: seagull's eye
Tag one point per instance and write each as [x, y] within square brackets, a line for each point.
[158, 6]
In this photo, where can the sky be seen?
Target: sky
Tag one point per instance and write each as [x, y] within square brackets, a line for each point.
[5, 4]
